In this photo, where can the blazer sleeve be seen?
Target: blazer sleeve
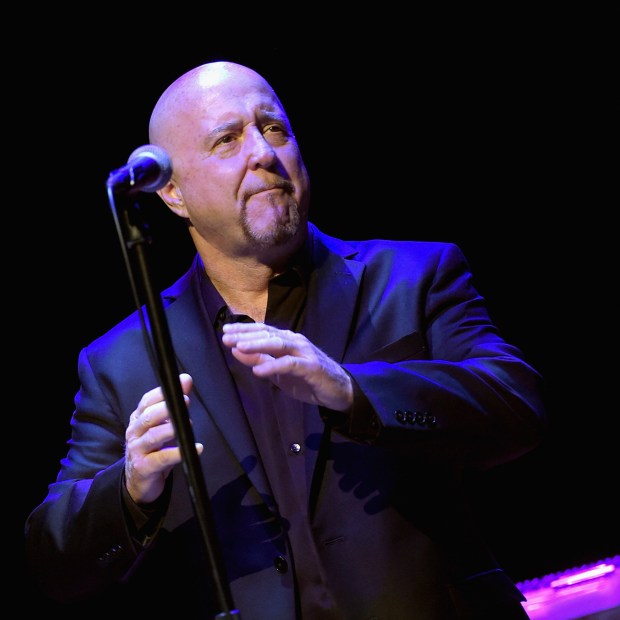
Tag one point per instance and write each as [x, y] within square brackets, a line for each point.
[450, 389]
[78, 538]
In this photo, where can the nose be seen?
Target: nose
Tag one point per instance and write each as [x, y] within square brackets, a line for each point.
[261, 153]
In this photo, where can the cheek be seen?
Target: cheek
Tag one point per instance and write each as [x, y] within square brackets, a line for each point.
[301, 180]
[294, 163]
[210, 201]
[202, 189]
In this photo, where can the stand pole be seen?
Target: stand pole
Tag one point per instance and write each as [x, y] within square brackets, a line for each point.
[134, 240]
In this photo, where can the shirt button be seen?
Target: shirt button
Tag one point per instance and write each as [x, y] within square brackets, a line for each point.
[294, 448]
[281, 564]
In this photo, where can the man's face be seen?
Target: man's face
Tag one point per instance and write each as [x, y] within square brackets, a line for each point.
[237, 164]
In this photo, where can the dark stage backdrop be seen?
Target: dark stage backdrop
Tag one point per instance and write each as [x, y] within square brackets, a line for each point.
[464, 141]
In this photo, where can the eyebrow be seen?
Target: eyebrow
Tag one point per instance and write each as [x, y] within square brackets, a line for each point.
[264, 115]
[223, 128]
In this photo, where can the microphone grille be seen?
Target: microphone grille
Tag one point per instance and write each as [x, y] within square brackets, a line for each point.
[161, 158]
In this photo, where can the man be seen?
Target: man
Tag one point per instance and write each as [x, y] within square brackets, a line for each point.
[338, 393]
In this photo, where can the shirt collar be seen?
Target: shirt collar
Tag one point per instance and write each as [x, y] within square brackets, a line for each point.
[214, 304]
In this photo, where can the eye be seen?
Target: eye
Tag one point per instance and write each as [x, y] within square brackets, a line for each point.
[275, 134]
[273, 129]
[225, 139]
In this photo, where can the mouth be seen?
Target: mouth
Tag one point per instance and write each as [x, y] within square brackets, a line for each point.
[281, 187]
[268, 190]
[274, 196]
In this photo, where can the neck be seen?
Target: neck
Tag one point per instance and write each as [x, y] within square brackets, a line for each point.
[243, 287]
[242, 280]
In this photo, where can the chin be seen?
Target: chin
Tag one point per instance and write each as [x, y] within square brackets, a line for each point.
[275, 233]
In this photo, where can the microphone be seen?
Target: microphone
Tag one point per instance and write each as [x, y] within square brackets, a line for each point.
[148, 169]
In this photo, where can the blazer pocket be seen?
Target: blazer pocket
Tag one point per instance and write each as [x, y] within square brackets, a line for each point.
[409, 347]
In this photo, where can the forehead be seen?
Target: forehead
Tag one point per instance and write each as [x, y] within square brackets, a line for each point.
[222, 94]
[237, 102]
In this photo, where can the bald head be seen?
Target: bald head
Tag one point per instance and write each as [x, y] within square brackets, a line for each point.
[195, 89]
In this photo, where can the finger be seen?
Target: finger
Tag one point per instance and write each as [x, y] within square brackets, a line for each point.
[241, 328]
[264, 365]
[186, 382]
[268, 340]
[156, 438]
[164, 459]
[156, 414]
[250, 359]
[156, 395]
[285, 365]
[273, 345]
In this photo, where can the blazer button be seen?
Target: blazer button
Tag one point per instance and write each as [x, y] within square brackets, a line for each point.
[294, 448]
[281, 564]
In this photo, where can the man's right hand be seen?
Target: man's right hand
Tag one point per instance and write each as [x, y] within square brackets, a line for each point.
[151, 450]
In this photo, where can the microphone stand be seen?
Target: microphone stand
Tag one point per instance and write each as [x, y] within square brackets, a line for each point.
[133, 234]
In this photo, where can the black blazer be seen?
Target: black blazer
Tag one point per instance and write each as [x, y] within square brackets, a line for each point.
[388, 517]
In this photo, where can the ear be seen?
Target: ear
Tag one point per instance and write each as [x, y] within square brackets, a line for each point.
[172, 196]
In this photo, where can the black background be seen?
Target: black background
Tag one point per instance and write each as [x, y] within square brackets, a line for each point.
[483, 137]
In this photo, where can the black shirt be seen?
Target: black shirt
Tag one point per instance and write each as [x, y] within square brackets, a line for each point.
[277, 423]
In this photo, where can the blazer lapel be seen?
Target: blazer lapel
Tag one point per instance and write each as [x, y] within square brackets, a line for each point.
[332, 298]
[198, 353]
